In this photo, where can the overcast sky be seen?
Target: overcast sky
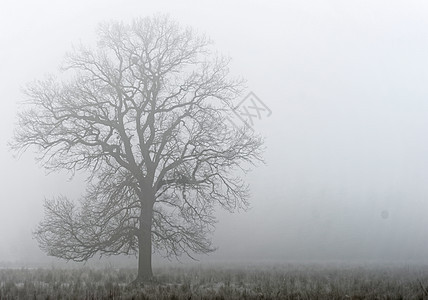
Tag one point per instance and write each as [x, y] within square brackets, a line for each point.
[346, 145]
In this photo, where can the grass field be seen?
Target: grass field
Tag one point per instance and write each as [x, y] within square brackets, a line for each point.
[226, 282]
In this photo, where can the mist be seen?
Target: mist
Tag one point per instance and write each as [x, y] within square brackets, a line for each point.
[346, 143]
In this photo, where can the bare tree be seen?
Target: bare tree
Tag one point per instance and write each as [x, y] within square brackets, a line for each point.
[145, 115]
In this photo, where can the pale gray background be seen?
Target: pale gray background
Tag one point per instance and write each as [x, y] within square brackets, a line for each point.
[347, 140]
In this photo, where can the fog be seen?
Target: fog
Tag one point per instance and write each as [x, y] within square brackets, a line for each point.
[346, 154]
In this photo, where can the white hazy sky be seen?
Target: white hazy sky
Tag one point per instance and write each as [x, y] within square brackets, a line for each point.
[348, 137]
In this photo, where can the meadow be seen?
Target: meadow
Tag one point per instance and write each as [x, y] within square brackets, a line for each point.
[282, 281]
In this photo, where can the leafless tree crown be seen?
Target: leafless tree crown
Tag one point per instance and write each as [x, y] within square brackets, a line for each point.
[144, 113]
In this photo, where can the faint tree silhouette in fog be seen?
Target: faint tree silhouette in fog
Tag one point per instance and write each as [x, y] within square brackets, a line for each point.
[145, 114]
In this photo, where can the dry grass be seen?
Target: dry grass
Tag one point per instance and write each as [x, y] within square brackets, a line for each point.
[279, 282]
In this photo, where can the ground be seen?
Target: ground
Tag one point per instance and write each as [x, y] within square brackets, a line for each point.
[285, 281]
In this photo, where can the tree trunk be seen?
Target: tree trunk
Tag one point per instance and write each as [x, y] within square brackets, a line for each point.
[145, 272]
